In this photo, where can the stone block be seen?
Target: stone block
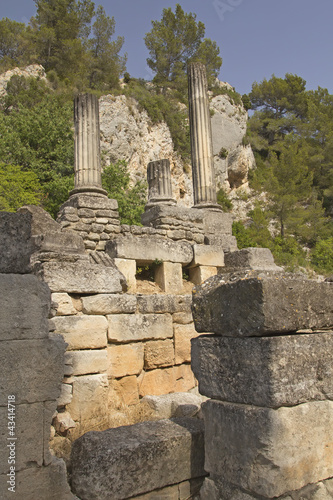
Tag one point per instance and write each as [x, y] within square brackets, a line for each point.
[164, 303]
[226, 242]
[166, 380]
[42, 483]
[174, 405]
[146, 249]
[87, 362]
[217, 222]
[24, 305]
[169, 276]
[81, 277]
[251, 258]
[124, 390]
[266, 303]
[56, 241]
[89, 405]
[41, 221]
[269, 452]
[207, 255]
[182, 318]
[31, 369]
[159, 353]
[90, 201]
[27, 443]
[66, 395]
[153, 454]
[154, 214]
[64, 302]
[15, 242]
[124, 360]
[109, 304]
[82, 332]
[167, 493]
[199, 274]
[63, 421]
[132, 327]
[269, 371]
[128, 268]
[183, 335]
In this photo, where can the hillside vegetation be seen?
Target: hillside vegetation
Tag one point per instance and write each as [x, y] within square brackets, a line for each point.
[290, 129]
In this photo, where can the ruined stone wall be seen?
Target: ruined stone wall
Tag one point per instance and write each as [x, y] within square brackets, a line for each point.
[121, 348]
[32, 362]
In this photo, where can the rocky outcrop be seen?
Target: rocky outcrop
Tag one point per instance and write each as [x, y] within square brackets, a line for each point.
[127, 133]
[34, 70]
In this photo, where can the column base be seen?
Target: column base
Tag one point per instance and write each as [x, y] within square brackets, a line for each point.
[92, 190]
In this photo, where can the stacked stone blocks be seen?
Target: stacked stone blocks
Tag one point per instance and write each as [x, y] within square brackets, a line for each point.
[268, 426]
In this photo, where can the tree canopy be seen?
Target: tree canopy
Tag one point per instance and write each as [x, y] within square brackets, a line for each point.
[175, 41]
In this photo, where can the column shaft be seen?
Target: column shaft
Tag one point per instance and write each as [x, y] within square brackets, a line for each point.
[87, 165]
[159, 182]
[203, 175]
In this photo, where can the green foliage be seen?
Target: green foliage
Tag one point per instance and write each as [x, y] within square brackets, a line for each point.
[18, 188]
[131, 200]
[223, 153]
[242, 234]
[223, 200]
[36, 134]
[14, 44]
[234, 97]
[322, 256]
[175, 41]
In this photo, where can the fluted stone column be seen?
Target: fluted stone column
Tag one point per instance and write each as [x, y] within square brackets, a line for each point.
[203, 175]
[159, 183]
[87, 163]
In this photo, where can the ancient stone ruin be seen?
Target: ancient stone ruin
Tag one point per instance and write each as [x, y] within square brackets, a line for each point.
[99, 363]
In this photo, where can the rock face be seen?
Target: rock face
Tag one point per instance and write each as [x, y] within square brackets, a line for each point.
[127, 133]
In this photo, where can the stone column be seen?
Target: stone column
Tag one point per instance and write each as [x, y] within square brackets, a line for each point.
[203, 175]
[159, 183]
[87, 164]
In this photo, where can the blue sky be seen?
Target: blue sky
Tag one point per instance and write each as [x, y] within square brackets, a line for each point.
[256, 37]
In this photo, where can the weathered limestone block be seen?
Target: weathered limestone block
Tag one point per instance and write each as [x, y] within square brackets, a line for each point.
[179, 404]
[87, 362]
[169, 276]
[89, 403]
[217, 222]
[63, 421]
[146, 249]
[166, 380]
[131, 327]
[164, 303]
[24, 306]
[31, 369]
[199, 274]
[66, 395]
[41, 221]
[183, 335]
[183, 318]
[64, 304]
[153, 454]
[251, 258]
[30, 449]
[207, 255]
[92, 202]
[270, 303]
[159, 353]
[124, 360]
[15, 242]
[269, 371]
[82, 332]
[226, 242]
[153, 216]
[81, 277]
[269, 452]
[109, 304]
[42, 482]
[128, 268]
[124, 390]
[56, 241]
